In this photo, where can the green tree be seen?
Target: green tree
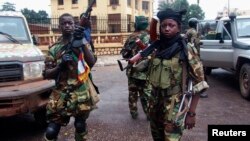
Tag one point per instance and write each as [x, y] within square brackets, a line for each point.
[180, 4]
[164, 5]
[7, 6]
[193, 10]
[36, 17]
[177, 5]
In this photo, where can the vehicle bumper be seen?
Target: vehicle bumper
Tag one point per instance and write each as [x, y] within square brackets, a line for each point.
[24, 98]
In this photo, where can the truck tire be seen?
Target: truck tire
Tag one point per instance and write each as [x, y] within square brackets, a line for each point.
[40, 117]
[244, 81]
[207, 70]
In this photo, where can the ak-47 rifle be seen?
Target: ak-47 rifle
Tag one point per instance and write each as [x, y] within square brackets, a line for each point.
[185, 102]
[153, 37]
[87, 15]
[141, 45]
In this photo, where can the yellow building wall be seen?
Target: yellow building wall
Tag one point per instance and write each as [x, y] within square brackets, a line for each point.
[102, 9]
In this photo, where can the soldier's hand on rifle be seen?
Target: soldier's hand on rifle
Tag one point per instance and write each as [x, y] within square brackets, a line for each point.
[78, 33]
[65, 58]
[135, 58]
[85, 22]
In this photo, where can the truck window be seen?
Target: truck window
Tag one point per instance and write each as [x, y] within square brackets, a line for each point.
[243, 28]
[15, 26]
[207, 30]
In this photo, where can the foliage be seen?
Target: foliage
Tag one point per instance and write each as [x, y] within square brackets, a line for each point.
[193, 10]
[7, 6]
[180, 4]
[32, 16]
[35, 17]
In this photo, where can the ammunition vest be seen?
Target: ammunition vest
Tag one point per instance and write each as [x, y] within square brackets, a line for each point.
[165, 73]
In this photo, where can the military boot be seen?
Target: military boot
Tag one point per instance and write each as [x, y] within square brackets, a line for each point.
[81, 136]
[45, 139]
[134, 115]
[203, 95]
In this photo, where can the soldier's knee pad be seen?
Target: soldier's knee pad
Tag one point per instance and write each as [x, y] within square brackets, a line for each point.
[80, 125]
[52, 131]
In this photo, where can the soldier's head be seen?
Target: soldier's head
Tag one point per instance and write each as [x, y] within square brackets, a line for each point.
[192, 22]
[141, 23]
[66, 23]
[170, 22]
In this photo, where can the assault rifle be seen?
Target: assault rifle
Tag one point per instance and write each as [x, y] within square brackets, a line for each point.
[185, 102]
[87, 12]
[142, 46]
[87, 15]
[153, 37]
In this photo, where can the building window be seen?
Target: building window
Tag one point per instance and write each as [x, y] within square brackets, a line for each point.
[129, 2]
[60, 2]
[114, 23]
[74, 1]
[145, 5]
[136, 4]
[114, 2]
[89, 1]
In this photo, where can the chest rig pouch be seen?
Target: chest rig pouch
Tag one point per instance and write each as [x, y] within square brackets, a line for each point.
[165, 73]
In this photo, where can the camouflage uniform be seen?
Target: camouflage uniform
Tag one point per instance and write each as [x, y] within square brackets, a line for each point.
[137, 82]
[193, 37]
[167, 93]
[70, 97]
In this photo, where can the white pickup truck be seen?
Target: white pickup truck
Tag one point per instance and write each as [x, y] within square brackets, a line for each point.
[225, 43]
[22, 88]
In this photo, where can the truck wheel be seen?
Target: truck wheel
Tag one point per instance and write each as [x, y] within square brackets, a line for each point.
[244, 81]
[40, 117]
[207, 70]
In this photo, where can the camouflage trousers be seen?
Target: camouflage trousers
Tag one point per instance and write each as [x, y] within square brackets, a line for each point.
[138, 89]
[162, 111]
[62, 106]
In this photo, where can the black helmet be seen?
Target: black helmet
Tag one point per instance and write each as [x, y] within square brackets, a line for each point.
[192, 22]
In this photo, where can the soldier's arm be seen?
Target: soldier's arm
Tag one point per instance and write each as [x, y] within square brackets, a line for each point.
[51, 67]
[196, 70]
[89, 57]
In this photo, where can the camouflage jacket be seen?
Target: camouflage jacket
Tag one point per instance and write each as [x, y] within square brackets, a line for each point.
[68, 77]
[132, 49]
[167, 73]
[193, 37]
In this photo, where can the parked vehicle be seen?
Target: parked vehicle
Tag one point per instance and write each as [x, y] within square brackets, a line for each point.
[22, 88]
[225, 43]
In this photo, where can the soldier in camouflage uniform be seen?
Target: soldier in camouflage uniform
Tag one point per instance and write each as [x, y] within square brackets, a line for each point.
[71, 96]
[192, 35]
[167, 75]
[193, 38]
[137, 84]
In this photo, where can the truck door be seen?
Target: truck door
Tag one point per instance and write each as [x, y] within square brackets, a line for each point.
[216, 45]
